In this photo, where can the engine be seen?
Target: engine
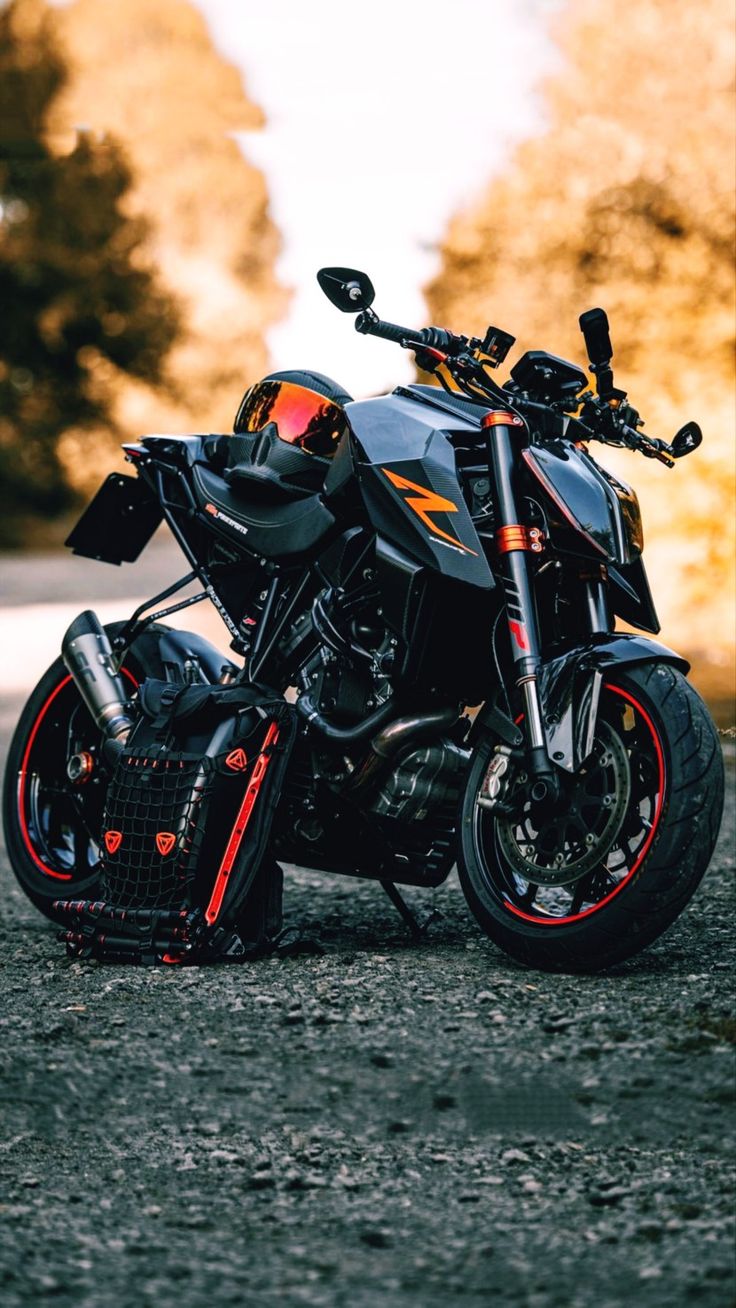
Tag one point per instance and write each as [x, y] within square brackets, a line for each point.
[349, 674]
[420, 782]
[382, 805]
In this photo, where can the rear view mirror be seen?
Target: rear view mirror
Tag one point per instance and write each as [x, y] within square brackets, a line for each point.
[687, 439]
[594, 326]
[347, 288]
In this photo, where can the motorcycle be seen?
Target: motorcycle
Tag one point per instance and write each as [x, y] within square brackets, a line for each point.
[421, 592]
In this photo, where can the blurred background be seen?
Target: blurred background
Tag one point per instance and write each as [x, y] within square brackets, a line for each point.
[172, 176]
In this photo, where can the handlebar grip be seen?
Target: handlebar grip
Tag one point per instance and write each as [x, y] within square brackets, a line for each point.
[594, 326]
[434, 338]
[388, 331]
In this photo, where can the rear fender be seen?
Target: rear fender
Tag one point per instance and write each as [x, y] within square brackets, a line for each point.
[177, 649]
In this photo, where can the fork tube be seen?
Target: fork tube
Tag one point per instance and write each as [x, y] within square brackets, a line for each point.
[514, 542]
[599, 617]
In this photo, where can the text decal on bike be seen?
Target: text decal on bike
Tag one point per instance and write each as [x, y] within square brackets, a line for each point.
[427, 501]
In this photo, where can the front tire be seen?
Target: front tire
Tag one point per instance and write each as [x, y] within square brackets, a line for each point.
[674, 803]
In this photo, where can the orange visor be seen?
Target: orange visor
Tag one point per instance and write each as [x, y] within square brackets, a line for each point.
[303, 417]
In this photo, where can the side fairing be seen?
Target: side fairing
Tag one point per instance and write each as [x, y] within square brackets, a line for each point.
[408, 481]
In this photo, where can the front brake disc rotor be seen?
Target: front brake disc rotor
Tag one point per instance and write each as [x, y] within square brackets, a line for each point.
[562, 847]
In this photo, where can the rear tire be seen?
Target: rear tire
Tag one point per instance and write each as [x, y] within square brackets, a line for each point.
[51, 826]
[644, 883]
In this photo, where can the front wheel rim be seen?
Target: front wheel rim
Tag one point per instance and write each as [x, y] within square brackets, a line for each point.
[545, 906]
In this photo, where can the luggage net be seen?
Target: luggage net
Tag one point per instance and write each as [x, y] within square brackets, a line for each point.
[150, 829]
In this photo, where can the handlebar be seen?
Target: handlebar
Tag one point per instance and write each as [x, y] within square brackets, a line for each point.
[650, 446]
[605, 417]
[615, 428]
[370, 325]
[434, 338]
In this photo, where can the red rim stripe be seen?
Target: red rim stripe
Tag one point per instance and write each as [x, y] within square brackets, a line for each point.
[49, 872]
[576, 917]
[241, 822]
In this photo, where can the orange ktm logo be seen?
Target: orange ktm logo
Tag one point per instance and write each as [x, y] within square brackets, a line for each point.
[237, 760]
[165, 841]
[424, 502]
[113, 840]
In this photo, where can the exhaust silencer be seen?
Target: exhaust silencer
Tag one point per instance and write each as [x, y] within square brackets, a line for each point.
[87, 653]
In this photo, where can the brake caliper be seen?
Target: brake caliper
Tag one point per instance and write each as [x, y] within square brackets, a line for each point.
[495, 784]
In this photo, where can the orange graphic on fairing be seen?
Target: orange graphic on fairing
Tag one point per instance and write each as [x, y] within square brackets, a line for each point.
[427, 501]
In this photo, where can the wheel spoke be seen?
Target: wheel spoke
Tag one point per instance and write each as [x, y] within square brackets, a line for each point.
[527, 899]
[581, 888]
[80, 815]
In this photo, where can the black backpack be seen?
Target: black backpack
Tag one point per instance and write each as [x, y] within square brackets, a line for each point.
[186, 872]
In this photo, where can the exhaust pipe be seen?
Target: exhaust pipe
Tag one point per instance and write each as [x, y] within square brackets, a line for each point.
[344, 735]
[412, 730]
[88, 656]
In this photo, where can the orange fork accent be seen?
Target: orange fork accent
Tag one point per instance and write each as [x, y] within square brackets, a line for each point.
[500, 418]
[241, 822]
[516, 537]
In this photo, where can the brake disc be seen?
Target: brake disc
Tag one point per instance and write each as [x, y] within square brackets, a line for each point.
[558, 848]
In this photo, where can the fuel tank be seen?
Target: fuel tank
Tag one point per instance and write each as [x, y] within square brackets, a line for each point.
[408, 479]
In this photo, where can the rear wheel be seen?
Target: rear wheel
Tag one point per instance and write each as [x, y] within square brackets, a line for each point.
[52, 823]
[603, 875]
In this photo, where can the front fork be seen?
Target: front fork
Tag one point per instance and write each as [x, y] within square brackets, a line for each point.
[514, 543]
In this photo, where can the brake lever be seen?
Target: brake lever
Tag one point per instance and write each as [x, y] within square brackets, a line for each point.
[428, 359]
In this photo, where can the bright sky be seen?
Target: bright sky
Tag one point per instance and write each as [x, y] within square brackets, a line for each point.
[382, 121]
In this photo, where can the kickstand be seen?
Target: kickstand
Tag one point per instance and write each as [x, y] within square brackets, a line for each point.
[417, 929]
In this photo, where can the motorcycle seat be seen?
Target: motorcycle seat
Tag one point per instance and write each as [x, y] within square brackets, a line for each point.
[274, 530]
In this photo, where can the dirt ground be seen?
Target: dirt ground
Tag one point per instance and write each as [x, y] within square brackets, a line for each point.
[380, 1124]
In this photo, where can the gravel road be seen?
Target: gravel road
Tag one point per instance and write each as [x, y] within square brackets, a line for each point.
[379, 1124]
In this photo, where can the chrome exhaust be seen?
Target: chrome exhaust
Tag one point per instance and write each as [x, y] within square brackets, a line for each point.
[88, 655]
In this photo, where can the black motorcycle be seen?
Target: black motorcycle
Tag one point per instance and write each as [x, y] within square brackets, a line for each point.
[382, 566]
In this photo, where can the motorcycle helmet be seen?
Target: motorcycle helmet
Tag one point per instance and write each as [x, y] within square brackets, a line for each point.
[306, 408]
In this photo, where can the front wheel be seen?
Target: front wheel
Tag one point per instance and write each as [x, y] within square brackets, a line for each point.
[598, 879]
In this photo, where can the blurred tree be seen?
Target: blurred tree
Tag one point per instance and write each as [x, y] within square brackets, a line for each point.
[152, 75]
[627, 200]
[79, 301]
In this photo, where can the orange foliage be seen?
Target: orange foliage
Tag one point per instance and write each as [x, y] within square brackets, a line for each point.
[627, 201]
[149, 75]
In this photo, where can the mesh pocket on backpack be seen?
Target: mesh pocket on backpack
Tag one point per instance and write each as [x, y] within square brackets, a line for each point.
[152, 825]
